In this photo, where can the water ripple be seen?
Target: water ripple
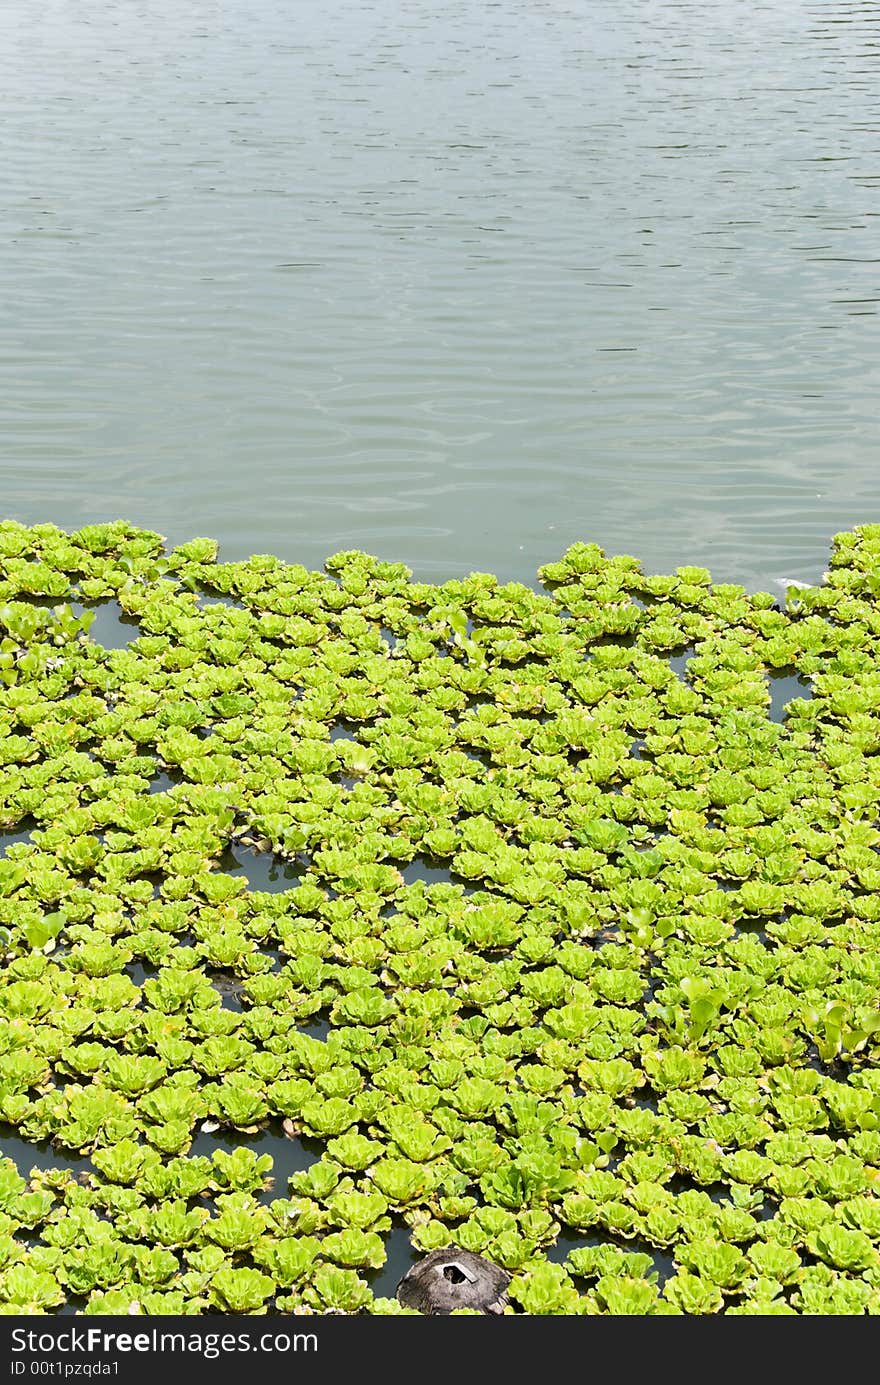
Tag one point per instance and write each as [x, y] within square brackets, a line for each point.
[459, 287]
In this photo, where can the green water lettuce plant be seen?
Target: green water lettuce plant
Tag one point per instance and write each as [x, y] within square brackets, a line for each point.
[508, 922]
[241, 1290]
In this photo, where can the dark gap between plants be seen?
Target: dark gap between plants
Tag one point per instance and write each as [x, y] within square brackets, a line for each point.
[165, 780]
[262, 870]
[289, 1156]
[39, 1154]
[400, 1256]
[479, 757]
[679, 662]
[229, 988]
[756, 927]
[111, 628]
[343, 730]
[139, 971]
[21, 834]
[425, 868]
[155, 878]
[784, 686]
[206, 598]
[618, 641]
[567, 1241]
[47, 603]
[73, 1305]
[317, 1026]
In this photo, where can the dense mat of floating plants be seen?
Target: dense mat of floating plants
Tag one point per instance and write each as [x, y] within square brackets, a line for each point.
[622, 1002]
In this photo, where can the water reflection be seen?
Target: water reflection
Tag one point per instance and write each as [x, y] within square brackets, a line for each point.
[111, 627]
[31, 1154]
[679, 662]
[784, 686]
[261, 869]
[289, 1156]
[164, 781]
[432, 872]
[445, 330]
[208, 598]
[400, 1256]
[317, 1026]
[21, 835]
[567, 1241]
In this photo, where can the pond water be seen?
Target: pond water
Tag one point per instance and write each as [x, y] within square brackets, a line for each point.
[261, 869]
[39, 1154]
[567, 1241]
[111, 627]
[455, 284]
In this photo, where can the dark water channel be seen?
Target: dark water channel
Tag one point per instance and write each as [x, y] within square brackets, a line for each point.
[111, 627]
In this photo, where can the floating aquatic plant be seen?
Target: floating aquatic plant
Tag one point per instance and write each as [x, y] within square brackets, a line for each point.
[591, 939]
